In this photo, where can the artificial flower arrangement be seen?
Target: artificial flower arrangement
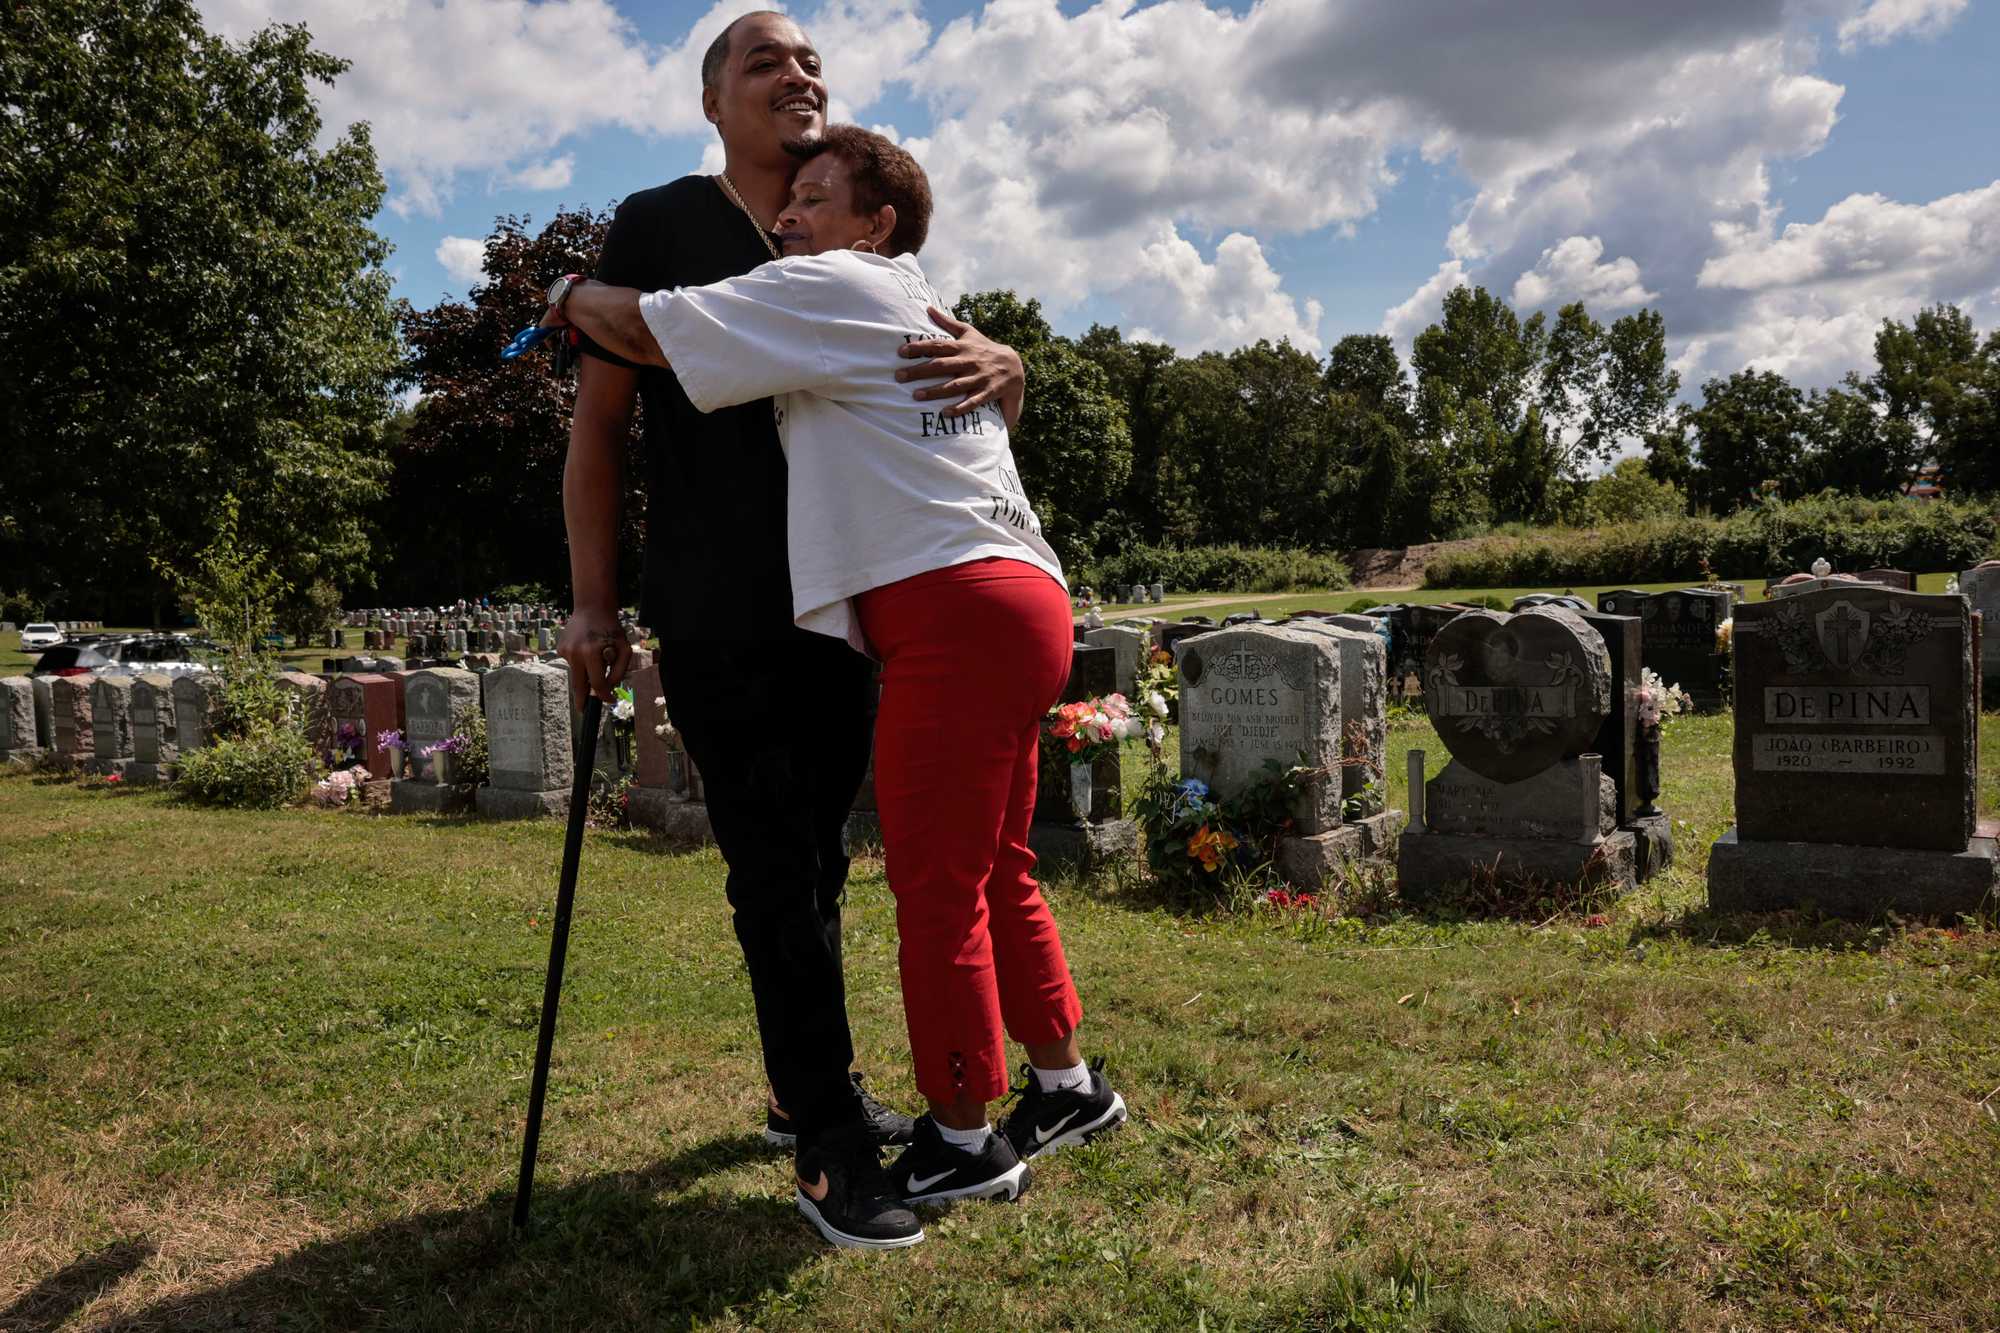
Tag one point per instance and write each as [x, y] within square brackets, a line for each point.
[1725, 633]
[1079, 733]
[348, 742]
[1656, 700]
[339, 787]
[1158, 677]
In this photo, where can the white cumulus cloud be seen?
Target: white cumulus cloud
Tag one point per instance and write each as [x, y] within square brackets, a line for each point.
[1571, 270]
[553, 174]
[463, 257]
[1885, 20]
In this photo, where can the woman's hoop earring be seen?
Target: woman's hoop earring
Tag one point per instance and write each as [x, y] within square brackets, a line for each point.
[863, 244]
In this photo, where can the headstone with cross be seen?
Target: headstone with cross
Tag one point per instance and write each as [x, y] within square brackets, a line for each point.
[1857, 757]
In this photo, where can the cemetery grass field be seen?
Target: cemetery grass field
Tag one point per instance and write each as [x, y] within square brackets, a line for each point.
[269, 1070]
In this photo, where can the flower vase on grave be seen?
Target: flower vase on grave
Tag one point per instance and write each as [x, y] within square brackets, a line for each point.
[441, 767]
[1646, 760]
[1080, 791]
[395, 761]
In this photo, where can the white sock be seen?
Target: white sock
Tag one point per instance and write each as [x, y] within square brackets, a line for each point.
[971, 1140]
[1054, 1080]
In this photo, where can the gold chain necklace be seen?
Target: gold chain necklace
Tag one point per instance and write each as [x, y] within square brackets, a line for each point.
[729, 188]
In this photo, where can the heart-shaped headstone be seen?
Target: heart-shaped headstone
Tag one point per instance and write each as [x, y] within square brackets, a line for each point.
[1512, 694]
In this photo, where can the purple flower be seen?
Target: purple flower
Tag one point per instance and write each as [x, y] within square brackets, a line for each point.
[389, 740]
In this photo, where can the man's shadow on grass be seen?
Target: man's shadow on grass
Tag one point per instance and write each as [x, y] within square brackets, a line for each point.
[605, 1252]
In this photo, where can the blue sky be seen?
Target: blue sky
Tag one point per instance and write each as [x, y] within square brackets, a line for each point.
[1776, 176]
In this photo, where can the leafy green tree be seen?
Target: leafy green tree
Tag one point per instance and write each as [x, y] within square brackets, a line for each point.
[1629, 493]
[1364, 368]
[192, 302]
[1599, 388]
[1371, 426]
[1855, 448]
[1134, 370]
[477, 496]
[1934, 374]
[1072, 443]
[1750, 429]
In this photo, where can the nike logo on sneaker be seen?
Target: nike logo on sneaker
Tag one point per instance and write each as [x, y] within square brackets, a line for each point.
[816, 1191]
[919, 1186]
[1042, 1136]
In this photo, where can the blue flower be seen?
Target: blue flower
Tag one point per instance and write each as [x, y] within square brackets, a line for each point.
[1194, 787]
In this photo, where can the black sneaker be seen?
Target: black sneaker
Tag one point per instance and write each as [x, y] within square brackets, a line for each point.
[843, 1190]
[933, 1171]
[1044, 1120]
[891, 1127]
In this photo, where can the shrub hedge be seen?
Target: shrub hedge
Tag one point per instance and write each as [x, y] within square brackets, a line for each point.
[1770, 539]
[1217, 569]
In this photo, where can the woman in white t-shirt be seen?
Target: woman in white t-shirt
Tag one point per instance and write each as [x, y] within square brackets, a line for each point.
[911, 537]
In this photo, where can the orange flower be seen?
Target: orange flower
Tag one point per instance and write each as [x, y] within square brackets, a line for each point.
[1209, 846]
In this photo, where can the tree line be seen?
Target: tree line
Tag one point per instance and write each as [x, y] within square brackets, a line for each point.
[193, 308]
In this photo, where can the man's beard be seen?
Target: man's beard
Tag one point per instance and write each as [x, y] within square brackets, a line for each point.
[804, 145]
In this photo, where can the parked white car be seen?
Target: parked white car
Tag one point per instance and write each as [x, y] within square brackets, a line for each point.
[38, 636]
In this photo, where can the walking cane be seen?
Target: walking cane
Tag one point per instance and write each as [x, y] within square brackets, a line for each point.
[579, 806]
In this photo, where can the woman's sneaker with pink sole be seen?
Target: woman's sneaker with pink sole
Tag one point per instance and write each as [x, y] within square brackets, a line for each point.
[1060, 1119]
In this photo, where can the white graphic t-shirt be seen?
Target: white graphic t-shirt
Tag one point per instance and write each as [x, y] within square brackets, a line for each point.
[882, 486]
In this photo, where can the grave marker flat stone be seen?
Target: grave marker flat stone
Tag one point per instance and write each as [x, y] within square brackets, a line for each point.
[111, 724]
[528, 742]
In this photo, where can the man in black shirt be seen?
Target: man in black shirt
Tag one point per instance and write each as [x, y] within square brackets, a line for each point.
[776, 718]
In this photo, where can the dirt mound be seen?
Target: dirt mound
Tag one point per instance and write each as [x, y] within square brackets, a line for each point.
[1383, 567]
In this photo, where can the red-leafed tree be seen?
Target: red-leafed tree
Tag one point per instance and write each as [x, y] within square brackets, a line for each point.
[476, 503]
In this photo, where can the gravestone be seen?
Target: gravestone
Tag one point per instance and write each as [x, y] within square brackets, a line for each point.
[197, 697]
[1167, 634]
[382, 702]
[1677, 635]
[666, 794]
[347, 715]
[1259, 694]
[1889, 578]
[432, 700]
[111, 725]
[1364, 742]
[308, 698]
[75, 741]
[1980, 585]
[1567, 601]
[529, 764]
[1129, 647]
[20, 741]
[1520, 701]
[153, 738]
[1618, 742]
[1057, 833]
[1857, 758]
[45, 711]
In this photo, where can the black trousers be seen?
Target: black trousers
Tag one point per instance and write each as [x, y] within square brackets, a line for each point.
[781, 733]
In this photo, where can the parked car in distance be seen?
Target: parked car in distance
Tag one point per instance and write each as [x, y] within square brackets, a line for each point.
[38, 636]
[69, 659]
[146, 654]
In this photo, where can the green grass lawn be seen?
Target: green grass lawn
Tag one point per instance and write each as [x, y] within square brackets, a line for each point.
[268, 1071]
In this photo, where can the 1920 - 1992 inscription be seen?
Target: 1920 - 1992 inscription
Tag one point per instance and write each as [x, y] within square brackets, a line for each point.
[1846, 752]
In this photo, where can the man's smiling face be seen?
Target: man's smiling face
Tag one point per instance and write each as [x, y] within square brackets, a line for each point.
[770, 87]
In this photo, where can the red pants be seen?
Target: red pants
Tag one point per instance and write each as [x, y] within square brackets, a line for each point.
[973, 656]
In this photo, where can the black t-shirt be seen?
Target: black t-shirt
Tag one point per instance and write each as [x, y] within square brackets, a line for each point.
[716, 566]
